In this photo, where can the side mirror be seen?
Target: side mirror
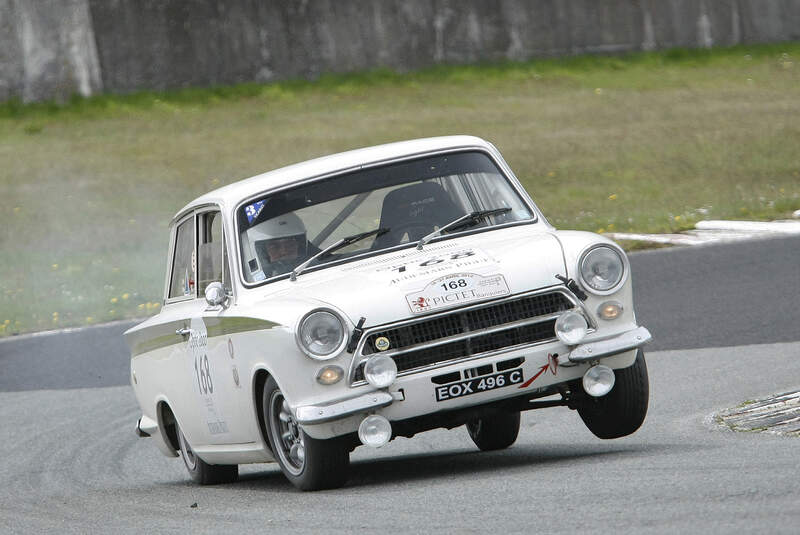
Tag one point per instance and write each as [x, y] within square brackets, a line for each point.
[216, 295]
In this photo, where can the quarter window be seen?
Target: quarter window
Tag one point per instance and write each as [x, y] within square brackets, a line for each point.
[182, 280]
[212, 260]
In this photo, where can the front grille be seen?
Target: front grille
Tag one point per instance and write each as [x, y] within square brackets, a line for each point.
[415, 338]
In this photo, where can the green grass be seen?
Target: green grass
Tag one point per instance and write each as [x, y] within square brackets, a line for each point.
[648, 142]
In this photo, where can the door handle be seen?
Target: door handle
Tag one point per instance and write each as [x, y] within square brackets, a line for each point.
[185, 331]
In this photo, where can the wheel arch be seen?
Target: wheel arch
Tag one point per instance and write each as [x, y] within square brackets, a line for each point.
[168, 426]
[260, 378]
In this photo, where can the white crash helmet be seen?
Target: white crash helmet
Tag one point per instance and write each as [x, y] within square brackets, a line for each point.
[282, 227]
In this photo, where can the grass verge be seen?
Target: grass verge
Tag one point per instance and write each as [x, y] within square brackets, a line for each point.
[649, 142]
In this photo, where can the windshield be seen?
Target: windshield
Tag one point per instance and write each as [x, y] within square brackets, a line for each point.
[409, 200]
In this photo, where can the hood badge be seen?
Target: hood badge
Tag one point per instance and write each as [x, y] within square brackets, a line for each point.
[382, 343]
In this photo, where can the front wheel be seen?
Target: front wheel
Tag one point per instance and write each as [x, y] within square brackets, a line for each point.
[309, 464]
[202, 472]
[495, 433]
[622, 411]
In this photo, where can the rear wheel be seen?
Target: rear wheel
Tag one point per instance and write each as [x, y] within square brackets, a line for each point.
[309, 464]
[202, 472]
[621, 411]
[495, 433]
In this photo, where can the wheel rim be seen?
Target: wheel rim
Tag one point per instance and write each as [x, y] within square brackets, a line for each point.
[189, 457]
[286, 435]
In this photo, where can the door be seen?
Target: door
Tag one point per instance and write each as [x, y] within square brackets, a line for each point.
[217, 387]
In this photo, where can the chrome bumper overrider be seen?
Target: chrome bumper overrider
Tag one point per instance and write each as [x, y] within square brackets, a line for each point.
[145, 427]
[139, 431]
[317, 414]
[606, 348]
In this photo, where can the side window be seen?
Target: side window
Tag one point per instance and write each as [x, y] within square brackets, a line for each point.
[212, 261]
[182, 279]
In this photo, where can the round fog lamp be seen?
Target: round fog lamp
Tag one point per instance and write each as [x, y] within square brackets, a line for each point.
[329, 375]
[598, 380]
[380, 371]
[610, 310]
[571, 328]
[375, 431]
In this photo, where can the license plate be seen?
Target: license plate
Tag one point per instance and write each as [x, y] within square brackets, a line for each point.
[478, 385]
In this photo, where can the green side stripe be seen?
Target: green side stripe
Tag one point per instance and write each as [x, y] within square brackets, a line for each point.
[156, 343]
[237, 325]
[165, 333]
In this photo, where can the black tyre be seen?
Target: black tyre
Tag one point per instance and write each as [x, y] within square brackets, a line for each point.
[309, 464]
[622, 411]
[202, 472]
[495, 433]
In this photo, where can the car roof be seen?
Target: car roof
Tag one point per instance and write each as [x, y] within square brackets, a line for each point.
[230, 195]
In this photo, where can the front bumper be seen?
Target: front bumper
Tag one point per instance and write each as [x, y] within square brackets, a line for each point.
[573, 361]
[612, 346]
[318, 414]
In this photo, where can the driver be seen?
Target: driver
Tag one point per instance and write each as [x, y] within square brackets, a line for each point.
[280, 244]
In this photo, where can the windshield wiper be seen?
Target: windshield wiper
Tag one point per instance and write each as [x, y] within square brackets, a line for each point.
[465, 220]
[344, 242]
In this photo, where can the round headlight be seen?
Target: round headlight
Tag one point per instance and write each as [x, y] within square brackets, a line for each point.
[571, 328]
[602, 269]
[321, 335]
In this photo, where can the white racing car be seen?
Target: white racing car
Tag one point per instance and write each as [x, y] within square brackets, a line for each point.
[379, 293]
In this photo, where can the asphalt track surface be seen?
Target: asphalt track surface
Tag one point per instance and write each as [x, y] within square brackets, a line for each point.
[726, 323]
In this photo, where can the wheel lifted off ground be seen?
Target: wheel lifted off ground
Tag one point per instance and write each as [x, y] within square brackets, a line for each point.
[496, 432]
[621, 411]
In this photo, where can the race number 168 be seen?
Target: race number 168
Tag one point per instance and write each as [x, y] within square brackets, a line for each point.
[203, 372]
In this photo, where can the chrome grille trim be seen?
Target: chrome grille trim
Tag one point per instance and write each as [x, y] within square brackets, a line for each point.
[465, 336]
[429, 367]
[359, 358]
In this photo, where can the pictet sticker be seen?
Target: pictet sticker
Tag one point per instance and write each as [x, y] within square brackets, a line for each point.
[454, 290]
